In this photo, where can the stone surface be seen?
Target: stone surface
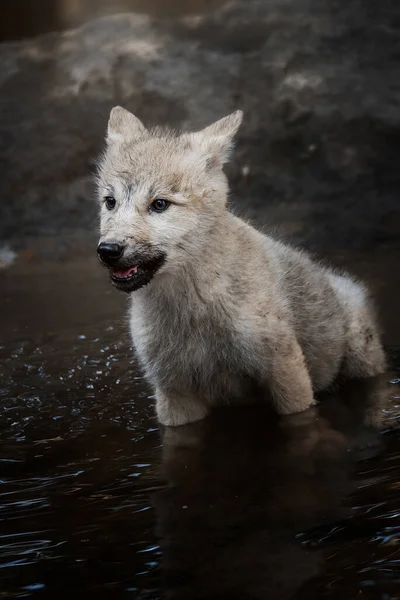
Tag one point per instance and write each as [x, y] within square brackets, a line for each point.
[317, 156]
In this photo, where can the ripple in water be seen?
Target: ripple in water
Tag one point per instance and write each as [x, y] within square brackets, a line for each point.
[97, 501]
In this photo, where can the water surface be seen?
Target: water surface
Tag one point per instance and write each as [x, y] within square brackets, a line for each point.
[98, 502]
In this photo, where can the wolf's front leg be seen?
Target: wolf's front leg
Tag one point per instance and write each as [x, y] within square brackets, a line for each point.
[288, 375]
[174, 408]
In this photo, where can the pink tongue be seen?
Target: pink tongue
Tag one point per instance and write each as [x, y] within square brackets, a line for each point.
[126, 272]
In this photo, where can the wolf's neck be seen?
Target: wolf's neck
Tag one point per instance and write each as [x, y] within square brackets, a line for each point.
[205, 251]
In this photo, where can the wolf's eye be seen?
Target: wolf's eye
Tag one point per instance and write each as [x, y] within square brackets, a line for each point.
[159, 205]
[110, 202]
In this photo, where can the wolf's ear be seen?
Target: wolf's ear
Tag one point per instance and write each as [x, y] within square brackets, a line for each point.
[217, 139]
[123, 126]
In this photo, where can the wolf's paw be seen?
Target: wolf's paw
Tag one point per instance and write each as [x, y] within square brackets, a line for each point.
[175, 410]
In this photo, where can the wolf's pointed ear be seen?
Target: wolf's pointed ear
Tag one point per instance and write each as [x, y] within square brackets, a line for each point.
[217, 139]
[123, 126]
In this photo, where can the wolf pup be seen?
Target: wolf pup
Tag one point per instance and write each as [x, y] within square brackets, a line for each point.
[218, 310]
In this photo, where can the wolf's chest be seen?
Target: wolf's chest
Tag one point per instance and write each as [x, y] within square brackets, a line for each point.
[186, 349]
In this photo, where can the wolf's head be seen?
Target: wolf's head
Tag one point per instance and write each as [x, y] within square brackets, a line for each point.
[160, 193]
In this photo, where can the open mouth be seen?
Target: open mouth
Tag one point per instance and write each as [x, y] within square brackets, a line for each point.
[132, 278]
[123, 274]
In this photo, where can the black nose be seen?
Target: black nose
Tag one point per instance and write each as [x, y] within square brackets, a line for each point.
[109, 253]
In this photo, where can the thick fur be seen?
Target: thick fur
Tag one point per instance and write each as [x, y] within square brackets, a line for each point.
[232, 312]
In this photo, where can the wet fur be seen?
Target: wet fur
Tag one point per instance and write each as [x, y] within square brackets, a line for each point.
[232, 312]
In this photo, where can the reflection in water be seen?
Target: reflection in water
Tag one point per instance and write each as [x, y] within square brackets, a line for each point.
[243, 505]
[258, 507]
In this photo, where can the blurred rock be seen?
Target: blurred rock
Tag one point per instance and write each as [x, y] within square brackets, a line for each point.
[7, 257]
[317, 79]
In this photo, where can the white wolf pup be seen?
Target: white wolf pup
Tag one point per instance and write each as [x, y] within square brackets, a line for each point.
[219, 312]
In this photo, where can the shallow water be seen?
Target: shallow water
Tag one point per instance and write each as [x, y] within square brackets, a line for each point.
[98, 502]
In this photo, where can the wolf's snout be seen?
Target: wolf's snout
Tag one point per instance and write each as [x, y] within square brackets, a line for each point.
[109, 252]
